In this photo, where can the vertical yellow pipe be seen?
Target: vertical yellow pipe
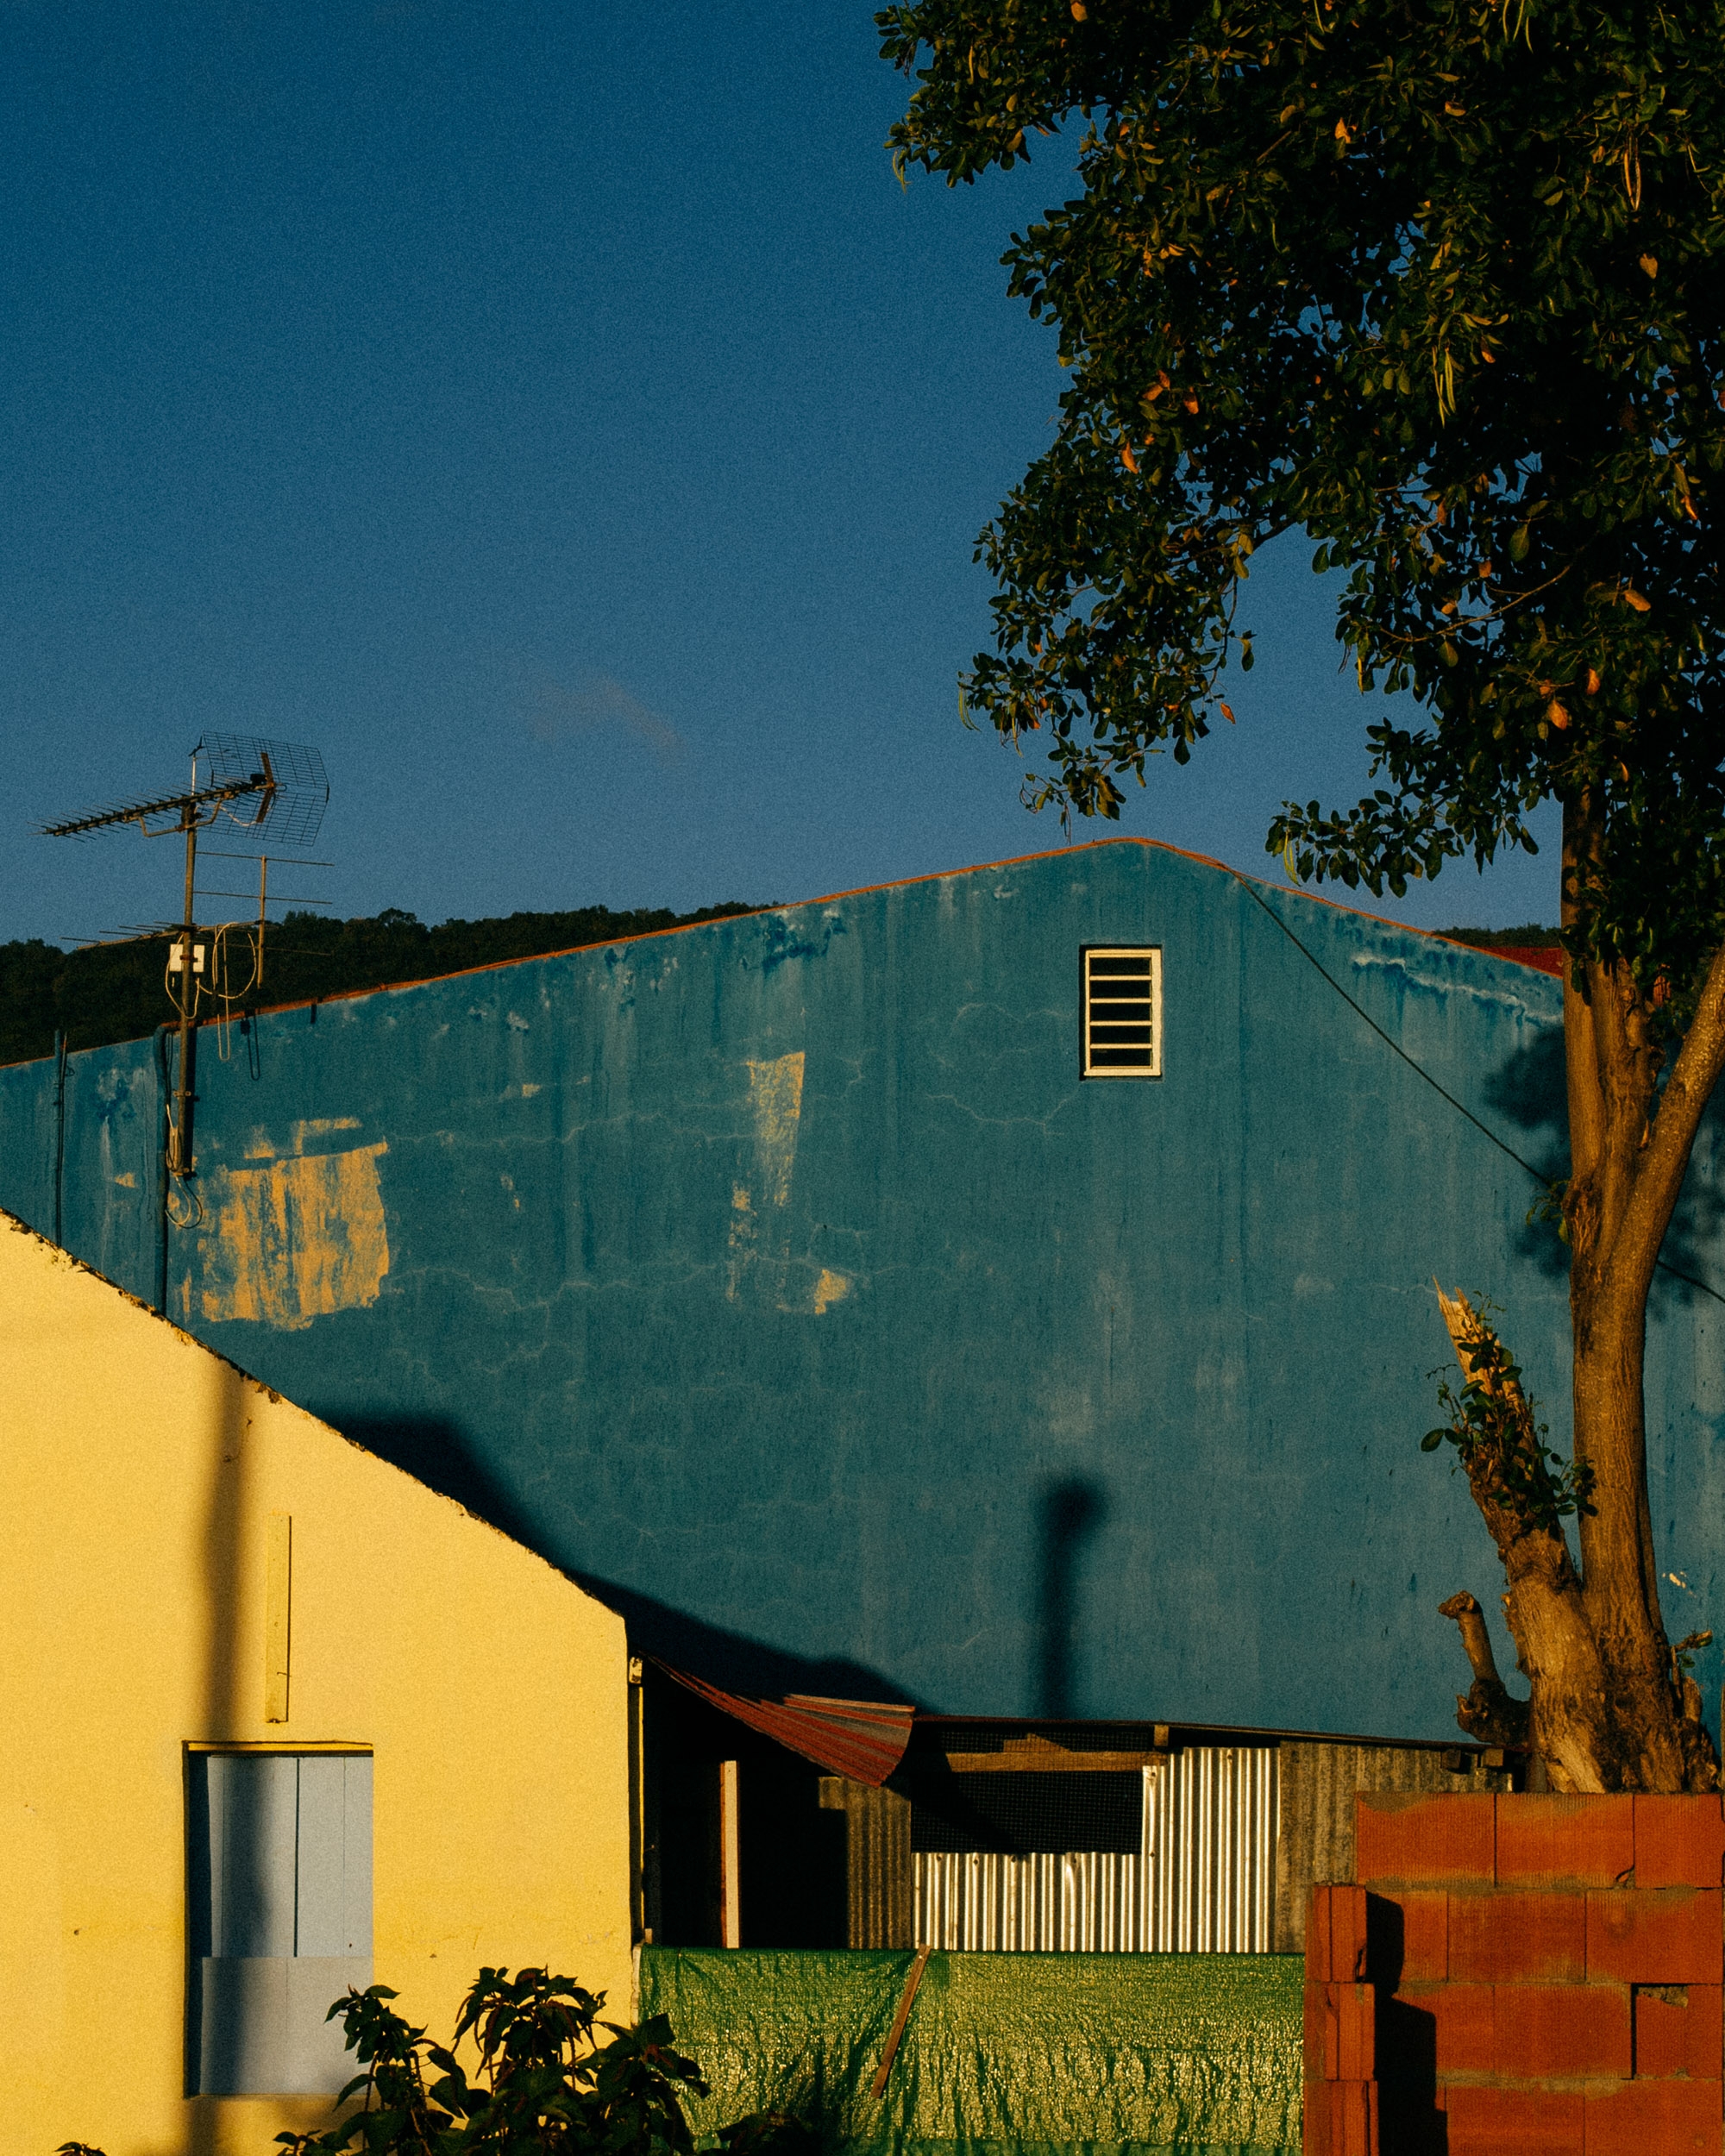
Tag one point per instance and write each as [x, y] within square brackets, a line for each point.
[278, 1598]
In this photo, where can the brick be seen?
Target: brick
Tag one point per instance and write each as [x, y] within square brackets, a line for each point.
[1680, 1841]
[1313, 2023]
[1353, 2118]
[1652, 2118]
[1671, 1935]
[1511, 1937]
[1425, 1840]
[1335, 1936]
[1677, 2031]
[1584, 1840]
[1514, 2123]
[1356, 2011]
[1562, 2031]
[1314, 2118]
[1702, 2061]
[1339, 2118]
[1347, 1934]
[1318, 1936]
[1661, 2033]
[1464, 2022]
[1425, 1938]
[1341, 2022]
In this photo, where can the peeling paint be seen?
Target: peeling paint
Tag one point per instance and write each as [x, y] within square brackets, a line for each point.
[830, 1288]
[775, 1090]
[1446, 984]
[741, 1239]
[294, 1240]
[775, 1095]
[319, 1127]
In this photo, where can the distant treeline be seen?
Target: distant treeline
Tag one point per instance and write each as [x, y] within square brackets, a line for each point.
[114, 992]
[1532, 938]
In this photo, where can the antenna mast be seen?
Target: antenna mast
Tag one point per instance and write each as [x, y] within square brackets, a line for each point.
[273, 790]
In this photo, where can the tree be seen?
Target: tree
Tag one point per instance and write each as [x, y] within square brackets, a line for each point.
[1439, 284]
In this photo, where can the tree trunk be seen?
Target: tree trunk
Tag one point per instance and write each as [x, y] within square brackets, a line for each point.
[1610, 1708]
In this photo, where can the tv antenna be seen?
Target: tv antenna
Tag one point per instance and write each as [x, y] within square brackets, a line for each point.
[275, 793]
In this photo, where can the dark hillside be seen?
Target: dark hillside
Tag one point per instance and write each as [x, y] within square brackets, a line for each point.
[114, 992]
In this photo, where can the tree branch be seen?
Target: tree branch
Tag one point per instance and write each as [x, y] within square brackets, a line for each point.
[1486, 1710]
[1544, 1607]
[1665, 1160]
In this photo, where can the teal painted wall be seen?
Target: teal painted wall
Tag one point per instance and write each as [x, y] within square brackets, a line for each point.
[951, 1370]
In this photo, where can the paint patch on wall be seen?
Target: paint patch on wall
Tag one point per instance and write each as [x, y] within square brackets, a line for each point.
[298, 1239]
[775, 1093]
[776, 1099]
[318, 1126]
[831, 1287]
[741, 1239]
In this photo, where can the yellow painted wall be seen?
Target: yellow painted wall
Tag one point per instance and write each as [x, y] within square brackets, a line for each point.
[140, 1473]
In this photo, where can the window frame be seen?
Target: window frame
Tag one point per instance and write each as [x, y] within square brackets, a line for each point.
[1156, 1067]
[196, 1756]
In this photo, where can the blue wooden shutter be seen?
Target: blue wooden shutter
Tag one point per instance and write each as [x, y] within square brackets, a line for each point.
[280, 1883]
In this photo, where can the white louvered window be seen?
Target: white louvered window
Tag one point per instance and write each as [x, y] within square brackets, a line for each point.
[1121, 1029]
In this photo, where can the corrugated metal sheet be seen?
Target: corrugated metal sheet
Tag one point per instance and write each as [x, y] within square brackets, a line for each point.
[1210, 1851]
[879, 1893]
[1203, 1883]
[1318, 1783]
[1084, 1901]
[862, 1739]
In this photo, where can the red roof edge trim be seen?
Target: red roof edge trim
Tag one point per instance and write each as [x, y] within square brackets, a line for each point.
[862, 1739]
[1544, 958]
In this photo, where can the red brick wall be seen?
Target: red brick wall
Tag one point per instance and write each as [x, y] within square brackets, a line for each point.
[1519, 1976]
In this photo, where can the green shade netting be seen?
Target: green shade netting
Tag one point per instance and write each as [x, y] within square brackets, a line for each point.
[1093, 2052]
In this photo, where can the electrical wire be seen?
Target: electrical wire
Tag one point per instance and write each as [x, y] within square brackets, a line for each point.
[1420, 1071]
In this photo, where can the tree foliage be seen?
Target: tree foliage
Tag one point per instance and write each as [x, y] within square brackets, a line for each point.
[1437, 282]
[1500, 1444]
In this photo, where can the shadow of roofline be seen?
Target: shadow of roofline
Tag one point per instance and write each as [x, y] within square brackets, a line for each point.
[434, 1451]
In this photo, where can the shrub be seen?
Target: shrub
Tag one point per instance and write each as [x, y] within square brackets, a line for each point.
[544, 2084]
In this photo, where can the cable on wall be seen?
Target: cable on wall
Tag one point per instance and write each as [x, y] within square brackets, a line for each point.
[1395, 1048]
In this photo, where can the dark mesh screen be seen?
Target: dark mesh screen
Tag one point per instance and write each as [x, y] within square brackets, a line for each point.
[1025, 1813]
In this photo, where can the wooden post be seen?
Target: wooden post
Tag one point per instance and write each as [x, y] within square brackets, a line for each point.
[730, 1868]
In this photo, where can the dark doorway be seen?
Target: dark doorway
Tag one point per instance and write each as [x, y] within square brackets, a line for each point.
[790, 1852]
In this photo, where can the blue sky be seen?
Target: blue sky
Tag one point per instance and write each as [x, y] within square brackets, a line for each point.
[558, 416]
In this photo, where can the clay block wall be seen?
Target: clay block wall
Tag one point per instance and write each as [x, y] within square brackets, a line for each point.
[1519, 1976]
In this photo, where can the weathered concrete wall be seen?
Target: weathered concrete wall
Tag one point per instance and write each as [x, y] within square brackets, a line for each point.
[782, 1276]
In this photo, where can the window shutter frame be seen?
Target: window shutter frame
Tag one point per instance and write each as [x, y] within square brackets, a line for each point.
[1110, 1044]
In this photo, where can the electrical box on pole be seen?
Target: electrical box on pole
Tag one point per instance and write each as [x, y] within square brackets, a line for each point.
[272, 794]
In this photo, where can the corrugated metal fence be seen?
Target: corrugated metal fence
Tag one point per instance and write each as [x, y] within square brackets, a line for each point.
[1203, 1883]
